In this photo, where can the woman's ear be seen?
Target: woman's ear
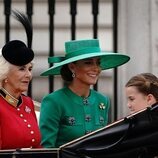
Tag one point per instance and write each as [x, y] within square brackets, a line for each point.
[151, 99]
[71, 67]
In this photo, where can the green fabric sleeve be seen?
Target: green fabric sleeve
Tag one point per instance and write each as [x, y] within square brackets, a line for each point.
[49, 121]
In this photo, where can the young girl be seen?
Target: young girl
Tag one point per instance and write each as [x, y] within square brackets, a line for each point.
[141, 91]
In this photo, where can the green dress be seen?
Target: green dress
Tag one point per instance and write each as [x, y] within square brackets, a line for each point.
[65, 116]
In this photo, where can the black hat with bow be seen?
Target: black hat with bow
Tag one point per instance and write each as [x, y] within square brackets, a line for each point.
[15, 51]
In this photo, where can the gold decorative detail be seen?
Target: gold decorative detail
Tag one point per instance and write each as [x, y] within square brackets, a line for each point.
[9, 98]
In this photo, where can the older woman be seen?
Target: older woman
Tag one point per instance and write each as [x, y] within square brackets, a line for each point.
[18, 123]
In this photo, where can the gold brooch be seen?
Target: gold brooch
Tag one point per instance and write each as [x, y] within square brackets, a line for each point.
[101, 106]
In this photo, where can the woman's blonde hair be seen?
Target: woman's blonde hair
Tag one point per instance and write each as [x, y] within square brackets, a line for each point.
[4, 69]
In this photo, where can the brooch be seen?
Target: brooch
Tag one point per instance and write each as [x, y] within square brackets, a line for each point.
[27, 109]
[101, 106]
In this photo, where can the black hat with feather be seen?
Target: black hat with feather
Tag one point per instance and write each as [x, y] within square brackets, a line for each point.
[16, 52]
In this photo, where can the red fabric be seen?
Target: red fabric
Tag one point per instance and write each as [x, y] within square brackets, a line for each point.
[18, 126]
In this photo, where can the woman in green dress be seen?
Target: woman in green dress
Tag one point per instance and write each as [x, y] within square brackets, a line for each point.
[76, 109]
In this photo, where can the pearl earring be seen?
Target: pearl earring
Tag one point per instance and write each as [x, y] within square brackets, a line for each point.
[6, 80]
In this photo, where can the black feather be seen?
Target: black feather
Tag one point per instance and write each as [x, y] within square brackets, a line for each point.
[24, 20]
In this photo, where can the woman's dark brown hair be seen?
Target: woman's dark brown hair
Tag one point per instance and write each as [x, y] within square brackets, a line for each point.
[66, 74]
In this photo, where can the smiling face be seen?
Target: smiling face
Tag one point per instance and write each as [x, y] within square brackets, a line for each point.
[18, 79]
[141, 91]
[86, 71]
[135, 100]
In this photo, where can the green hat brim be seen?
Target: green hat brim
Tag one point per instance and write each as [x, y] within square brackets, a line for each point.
[108, 60]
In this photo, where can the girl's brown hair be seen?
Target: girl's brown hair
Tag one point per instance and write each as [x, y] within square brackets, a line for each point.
[146, 83]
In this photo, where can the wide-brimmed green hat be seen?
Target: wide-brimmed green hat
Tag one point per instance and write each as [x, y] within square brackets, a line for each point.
[83, 49]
